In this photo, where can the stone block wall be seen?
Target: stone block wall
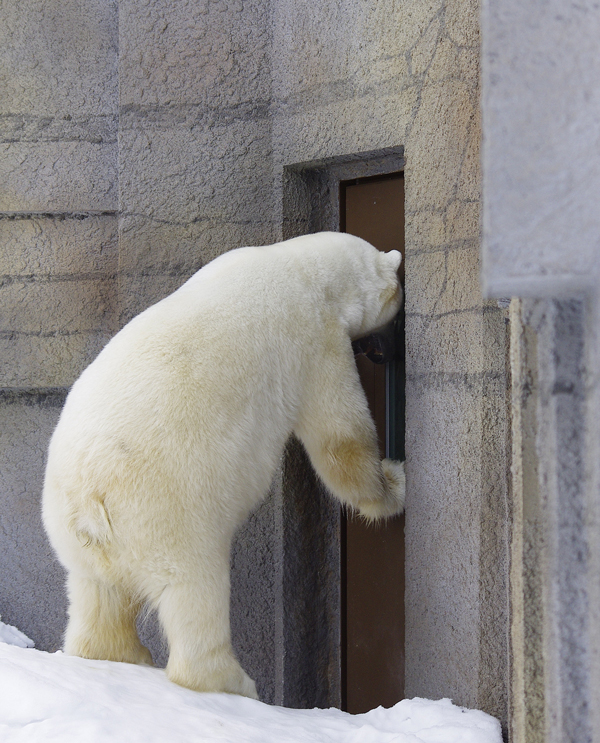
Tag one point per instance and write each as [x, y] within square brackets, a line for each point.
[58, 285]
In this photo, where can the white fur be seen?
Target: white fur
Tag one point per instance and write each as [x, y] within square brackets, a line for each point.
[172, 436]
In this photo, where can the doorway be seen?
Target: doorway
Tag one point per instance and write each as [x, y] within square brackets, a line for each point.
[372, 556]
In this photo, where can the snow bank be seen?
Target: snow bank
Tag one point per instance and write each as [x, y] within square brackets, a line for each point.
[58, 698]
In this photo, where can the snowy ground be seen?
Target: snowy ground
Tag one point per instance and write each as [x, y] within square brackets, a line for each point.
[57, 698]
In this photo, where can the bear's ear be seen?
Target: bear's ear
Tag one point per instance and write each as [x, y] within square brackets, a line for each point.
[394, 257]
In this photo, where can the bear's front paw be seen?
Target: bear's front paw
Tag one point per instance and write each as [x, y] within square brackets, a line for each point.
[392, 502]
[396, 479]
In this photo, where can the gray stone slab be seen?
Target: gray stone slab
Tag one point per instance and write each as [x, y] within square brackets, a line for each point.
[448, 343]
[45, 246]
[452, 281]
[58, 176]
[426, 229]
[348, 42]
[372, 123]
[180, 175]
[59, 59]
[47, 360]
[154, 246]
[439, 138]
[95, 129]
[215, 53]
[62, 308]
[443, 522]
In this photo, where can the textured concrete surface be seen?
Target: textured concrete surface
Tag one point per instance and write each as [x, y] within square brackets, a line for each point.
[308, 642]
[554, 524]
[194, 139]
[526, 573]
[592, 481]
[570, 693]
[32, 592]
[541, 225]
[59, 59]
[540, 101]
[58, 122]
[58, 296]
[217, 124]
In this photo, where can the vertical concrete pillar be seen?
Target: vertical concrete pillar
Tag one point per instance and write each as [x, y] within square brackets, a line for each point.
[527, 543]
[553, 585]
[456, 364]
[569, 695]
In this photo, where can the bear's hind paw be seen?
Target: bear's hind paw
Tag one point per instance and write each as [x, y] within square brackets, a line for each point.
[227, 677]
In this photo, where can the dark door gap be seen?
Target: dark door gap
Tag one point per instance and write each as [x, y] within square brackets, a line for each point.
[373, 555]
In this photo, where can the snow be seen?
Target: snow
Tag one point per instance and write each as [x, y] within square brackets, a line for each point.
[52, 697]
[13, 636]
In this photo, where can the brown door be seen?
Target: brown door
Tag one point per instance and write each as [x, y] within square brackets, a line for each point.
[373, 556]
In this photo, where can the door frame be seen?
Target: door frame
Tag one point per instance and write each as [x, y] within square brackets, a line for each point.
[312, 520]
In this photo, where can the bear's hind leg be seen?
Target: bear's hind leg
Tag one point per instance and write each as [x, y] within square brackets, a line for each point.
[196, 624]
[102, 622]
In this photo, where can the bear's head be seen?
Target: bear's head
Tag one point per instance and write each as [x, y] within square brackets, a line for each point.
[383, 296]
[367, 289]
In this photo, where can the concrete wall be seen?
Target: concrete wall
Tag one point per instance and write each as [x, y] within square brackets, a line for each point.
[541, 106]
[542, 243]
[219, 105]
[58, 263]
[554, 551]
[526, 573]
[456, 528]
[195, 174]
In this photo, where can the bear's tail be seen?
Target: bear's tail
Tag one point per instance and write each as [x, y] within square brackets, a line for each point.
[91, 523]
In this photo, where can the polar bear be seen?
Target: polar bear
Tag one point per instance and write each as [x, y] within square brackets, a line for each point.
[172, 436]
